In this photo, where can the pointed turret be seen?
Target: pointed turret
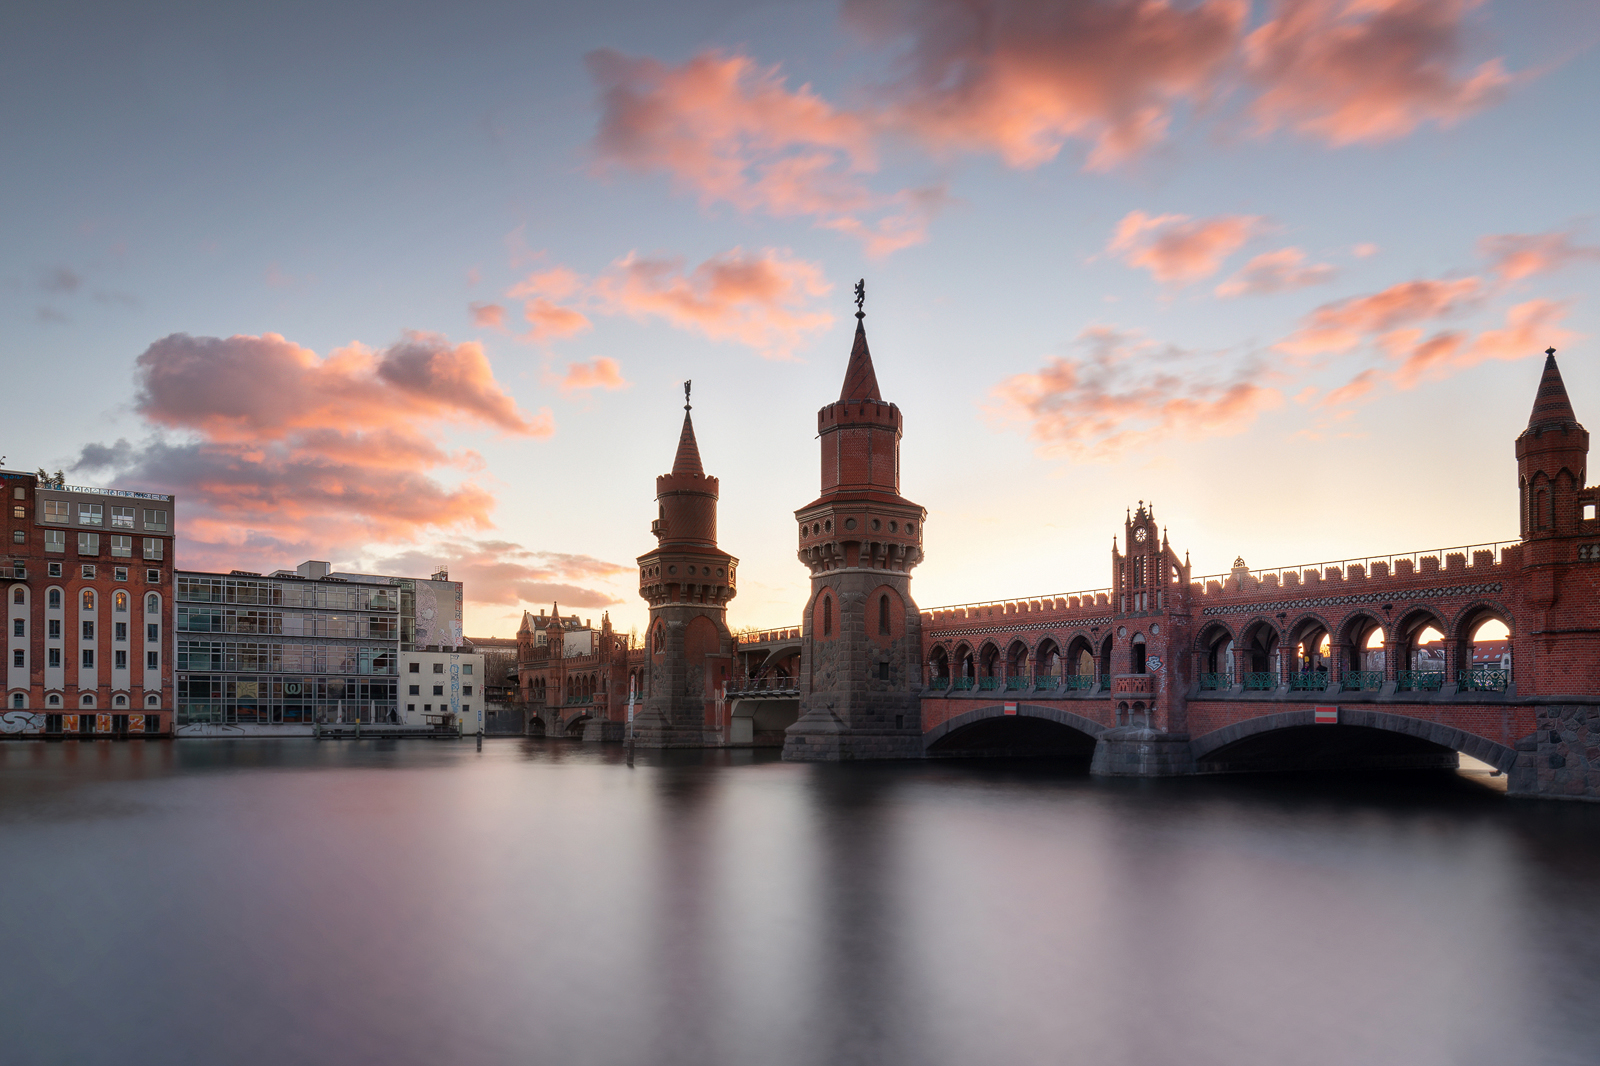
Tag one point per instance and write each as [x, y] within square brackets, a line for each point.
[687, 461]
[1551, 405]
[860, 380]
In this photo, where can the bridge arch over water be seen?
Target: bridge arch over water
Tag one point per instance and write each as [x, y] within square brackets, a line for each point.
[1363, 738]
[1034, 730]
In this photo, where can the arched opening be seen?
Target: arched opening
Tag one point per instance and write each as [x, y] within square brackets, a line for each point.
[152, 700]
[1375, 741]
[1078, 668]
[989, 662]
[966, 667]
[86, 700]
[1122, 713]
[1017, 665]
[18, 700]
[1047, 664]
[1362, 638]
[1136, 658]
[1261, 648]
[827, 616]
[1105, 661]
[990, 735]
[939, 667]
[52, 700]
[884, 626]
[1312, 647]
[1422, 653]
[1216, 657]
[119, 701]
[1485, 653]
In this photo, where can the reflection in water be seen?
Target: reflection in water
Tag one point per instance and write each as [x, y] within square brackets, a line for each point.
[405, 902]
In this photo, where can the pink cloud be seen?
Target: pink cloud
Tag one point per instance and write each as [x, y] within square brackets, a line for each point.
[1279, 271]
[1364, 250]
[504, 572]
[1178, 250]
[1127, 393]
[764, 301]
[487, 315]
[1529, 328]
[1514, 256]
[599, 373]
[1348, 71]
[281, 451]
[729, 130]
[1342, 326]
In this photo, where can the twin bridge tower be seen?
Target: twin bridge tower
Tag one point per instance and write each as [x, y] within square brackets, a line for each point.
[859, 672]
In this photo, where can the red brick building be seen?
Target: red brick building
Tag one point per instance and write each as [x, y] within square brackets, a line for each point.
[88, 593]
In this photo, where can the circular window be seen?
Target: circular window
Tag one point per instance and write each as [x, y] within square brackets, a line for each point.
[672, 569]
[876, 525]
[911, 527]
[1155, 628]
[719, 571]
[691, 570]
[1122, 631]
[849, 523]
[828, 525]
[894, 527]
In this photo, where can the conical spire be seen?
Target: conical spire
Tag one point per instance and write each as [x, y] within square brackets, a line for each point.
[860, 380]
[687, 461]
[1551, 403]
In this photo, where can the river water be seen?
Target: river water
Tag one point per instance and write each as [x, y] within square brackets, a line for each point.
[282, 901]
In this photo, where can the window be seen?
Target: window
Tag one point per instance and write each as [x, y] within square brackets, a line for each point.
[20, 493]
[88, 570]
[55, 628]
[88, 544]
[53, 658]
[438, 690]
[19, 627]
[19, 511]
[88, 599]
[55, 540]
[152, 660]
[18, 699]
[151, 724]
[119, 660]
[19, 536]
[122, 547]
[883, 614]
[91, 514]
[120, 632]
[466, 668]
[122, 517]
[54, 599]
[153, 547]
[883, 671]
[19, 658]
[427, 706]
[152, 632]
[155, 519]
[466, 690]
[88, 631]
[827, 616]
[57, 511]
[152, 577]
[54, 569]
[88, 658]
[438, 668]
[152, 604]
[466, 708]
[415, 668]
[54, 701]
[415, 690]
[411, 706]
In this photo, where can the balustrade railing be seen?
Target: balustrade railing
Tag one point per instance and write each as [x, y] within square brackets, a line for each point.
[1261, 680]
[988, 684]
[743, 686]
[961, 684]
[1079, 682]
[1013, 683]
[1047, 682]
[1484, 680]
[768, 636]
[939, 684]
[1216, 681]
[1357, 680]
[1105, 682]
[1419, 680]
[1309, 681]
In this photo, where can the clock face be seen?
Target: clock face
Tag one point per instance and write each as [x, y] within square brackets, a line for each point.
[1139, 534]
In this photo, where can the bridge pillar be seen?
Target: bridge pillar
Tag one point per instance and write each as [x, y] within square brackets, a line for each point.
[1559, 760]
[1140, 751]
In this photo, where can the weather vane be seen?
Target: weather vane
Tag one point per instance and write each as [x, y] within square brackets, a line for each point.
[686, 385]
[861, 297]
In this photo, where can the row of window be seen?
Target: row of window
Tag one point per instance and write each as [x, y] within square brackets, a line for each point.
[310, 658]
[119, 659]
[438, 668]
[121, 547]
[19, 628]
[88, 599]
[19, 700]
[119, 573]
[438, 690]
[94, 514]
[352, 597]
[330, 690]
[287, 623]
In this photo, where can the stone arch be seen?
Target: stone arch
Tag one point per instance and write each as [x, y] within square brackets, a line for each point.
[1410, 655]
[1029, 730]
[1495, 673]
[1047, 658]
[1213, 647]
[1207, 746]
[1309, 630]
[1259, 641]
[1017, 656]
[988, 659]
[1080, 657]
[939, 662]
[963, 661]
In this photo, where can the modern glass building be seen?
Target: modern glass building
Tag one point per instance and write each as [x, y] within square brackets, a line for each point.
[255, 653]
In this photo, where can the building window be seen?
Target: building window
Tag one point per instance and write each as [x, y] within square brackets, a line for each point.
[88, 570]
[119, 660]
[427, 706]
[53, 701]
[19, 626]
[120, 602]
[466, 668]
[57, 511]
[827, 616]
[88, 631]
[120, 632]
[152, 604]
[152, 700]
[438, 690]
[55, 540]
[466, 690]
[19, 536]
[122, 517]
[91, 514]
[416, 690]
[154, 547]
[88, 658]
[87, 701]
[88, 544]
[152, 632]
[19, 658]
[55, 628]
[152, 577]
[88, 599]
[53, 658]
[438, 668]
[19, 511]
[415, 668]
[152, 660]
[54, 599]
[411, 706]
[122, 547]
[883, 614]
[18, 700]
[53, 569]
[119, 573]
[155, 519]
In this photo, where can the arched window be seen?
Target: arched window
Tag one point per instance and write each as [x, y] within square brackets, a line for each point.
[883, 613]
[121, 602]
[827, 616]
[119, 701]
[152, 604]
[54, 600]
[152, 700]
[52, 700]
[1138, 653]
[88, 599]
[16, 595]
[17, 699]
[660, 638]
[1541, 510]
[87, 701]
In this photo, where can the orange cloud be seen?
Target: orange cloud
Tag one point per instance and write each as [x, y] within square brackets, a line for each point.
[1126, 393]
[1348, 71]
[1178, 250]
[1022, 77]
[487, 316]
[1279, 271]
[1529, 328]
[1514, 256]
[730, 131]
[1341, 326]
[503, 572]
[280, 451]
[761, 300]
[599, 373]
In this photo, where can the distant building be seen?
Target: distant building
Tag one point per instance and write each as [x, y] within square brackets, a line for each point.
[575, 679]
[88, 584]
[276, 654]
[502, 702]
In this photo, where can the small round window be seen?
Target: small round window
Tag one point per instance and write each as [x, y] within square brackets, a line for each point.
[719, 571]
[828, 525]
[876, 525]
[849, 523]
[911, 527]
[894, 527]
[672, 569]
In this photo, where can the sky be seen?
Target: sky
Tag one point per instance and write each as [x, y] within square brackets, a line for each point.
[402, 285]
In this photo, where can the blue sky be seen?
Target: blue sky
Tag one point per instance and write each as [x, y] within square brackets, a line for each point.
[362, 175]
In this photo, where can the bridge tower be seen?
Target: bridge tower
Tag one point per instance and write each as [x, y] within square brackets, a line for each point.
[688, 581]
[861, 639]
[1552, 457]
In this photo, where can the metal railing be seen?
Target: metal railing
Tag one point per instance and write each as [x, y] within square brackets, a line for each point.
[980, 605]
[769, 636]
[1359, 680]
[1365, 562]
[939, 684]
[1308, 681]
[1216, 681]
[746, 685]
[1419, 680]
[988, 684]
[1260, 680]
[961, 684]
[1483, 680]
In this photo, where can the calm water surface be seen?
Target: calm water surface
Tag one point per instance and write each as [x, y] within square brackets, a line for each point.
[408, 902]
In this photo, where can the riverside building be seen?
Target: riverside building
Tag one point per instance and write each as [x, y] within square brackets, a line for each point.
[280, 653]
[88, 608]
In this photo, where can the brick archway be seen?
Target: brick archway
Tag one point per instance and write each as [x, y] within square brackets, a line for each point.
[1086, 726]
[1497, 755]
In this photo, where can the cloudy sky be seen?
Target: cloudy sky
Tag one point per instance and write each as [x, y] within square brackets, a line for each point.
[398, 285]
